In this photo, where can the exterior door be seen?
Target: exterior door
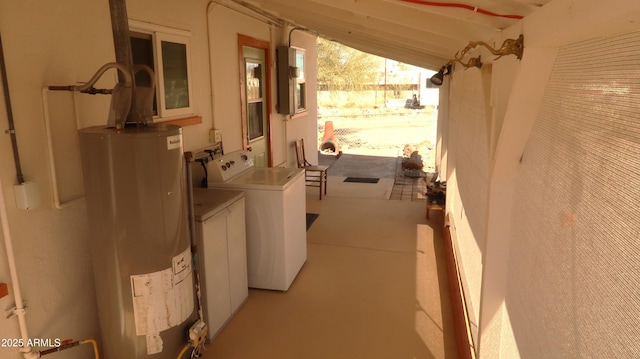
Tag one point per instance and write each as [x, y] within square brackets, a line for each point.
[255, 106]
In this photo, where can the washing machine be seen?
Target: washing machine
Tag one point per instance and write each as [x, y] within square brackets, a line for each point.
[275, 217]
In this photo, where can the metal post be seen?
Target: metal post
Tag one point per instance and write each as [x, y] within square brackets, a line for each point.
[122, 43]
[121, 39]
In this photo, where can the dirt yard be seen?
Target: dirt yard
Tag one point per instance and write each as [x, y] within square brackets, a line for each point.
[383, 132]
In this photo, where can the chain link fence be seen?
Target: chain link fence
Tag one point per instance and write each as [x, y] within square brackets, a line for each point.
[397, 133]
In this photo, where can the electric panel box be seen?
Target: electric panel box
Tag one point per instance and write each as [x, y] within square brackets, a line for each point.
[286, 65]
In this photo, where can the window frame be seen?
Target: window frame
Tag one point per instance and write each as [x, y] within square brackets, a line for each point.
[261, 98]
[300, 97]
[158, 35]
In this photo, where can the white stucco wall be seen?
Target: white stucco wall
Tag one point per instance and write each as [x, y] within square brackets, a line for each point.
[46, 44]
[225, 25]
[64, 43]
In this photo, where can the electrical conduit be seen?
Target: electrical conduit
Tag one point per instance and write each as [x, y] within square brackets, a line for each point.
[11, 131]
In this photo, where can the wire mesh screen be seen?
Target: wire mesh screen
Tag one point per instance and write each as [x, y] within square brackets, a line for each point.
[468, 133]
[574, 271]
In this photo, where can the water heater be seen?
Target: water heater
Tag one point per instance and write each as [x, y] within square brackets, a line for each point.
[140, 246]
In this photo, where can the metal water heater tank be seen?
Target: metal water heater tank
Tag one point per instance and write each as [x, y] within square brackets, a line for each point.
[140, 246]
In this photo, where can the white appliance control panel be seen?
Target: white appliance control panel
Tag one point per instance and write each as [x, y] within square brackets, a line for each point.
[229, 166]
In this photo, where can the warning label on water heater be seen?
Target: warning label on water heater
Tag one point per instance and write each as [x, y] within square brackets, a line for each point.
[163, 299]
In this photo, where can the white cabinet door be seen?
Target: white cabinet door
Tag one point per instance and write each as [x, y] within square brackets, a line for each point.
[216, 271]
[236, 234]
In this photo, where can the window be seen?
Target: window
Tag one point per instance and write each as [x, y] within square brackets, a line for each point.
[300, 83]
[167, 52]
[255, 99]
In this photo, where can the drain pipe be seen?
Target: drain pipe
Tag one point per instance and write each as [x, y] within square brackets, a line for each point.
[19, 310]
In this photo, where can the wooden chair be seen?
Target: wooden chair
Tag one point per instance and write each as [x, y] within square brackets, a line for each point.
[315, 176]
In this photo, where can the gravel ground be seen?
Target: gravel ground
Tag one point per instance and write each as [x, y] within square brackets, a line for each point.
[385, 133]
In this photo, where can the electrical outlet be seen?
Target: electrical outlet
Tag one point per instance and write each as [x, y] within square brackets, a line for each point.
[198, 333]
[215, 136]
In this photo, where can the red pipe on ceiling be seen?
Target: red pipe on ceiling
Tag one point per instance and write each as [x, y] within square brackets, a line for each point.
[463, 6]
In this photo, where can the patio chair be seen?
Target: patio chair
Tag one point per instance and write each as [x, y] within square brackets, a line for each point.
[315, 176]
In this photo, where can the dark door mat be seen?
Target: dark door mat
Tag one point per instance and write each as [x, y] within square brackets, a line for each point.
[311, 217]
[362, 179]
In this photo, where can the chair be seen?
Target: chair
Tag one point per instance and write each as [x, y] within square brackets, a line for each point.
[315, 176]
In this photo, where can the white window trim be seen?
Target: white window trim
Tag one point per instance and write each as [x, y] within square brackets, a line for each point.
[300, 79]
[158, 34]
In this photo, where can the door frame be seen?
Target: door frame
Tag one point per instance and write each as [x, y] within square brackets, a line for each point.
[244, 40]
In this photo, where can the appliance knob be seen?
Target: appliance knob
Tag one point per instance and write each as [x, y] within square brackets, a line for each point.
[244, 157]
[228, 164]
[224, 168]
[233, 162]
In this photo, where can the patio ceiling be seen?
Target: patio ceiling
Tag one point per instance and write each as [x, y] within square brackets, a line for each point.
[417, 32]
